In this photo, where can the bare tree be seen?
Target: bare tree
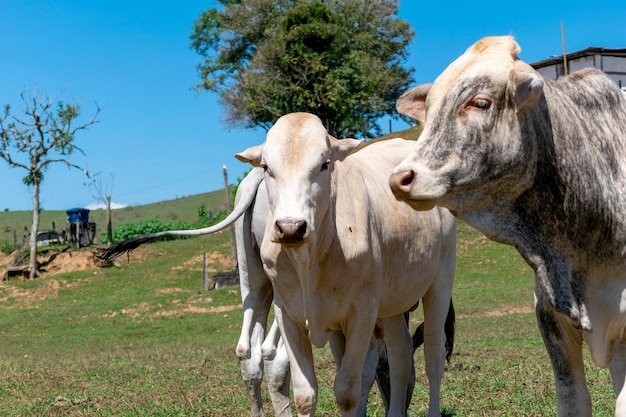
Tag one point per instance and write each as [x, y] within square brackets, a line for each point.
[42, 135]
[103, 193]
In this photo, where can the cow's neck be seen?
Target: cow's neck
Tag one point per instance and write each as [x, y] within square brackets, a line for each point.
[580, 180]
[325, 223]
[572, 217]
[306, 260]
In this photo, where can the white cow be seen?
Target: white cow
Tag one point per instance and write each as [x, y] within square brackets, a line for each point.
[541, 165]
[344, 255]
[260, 354]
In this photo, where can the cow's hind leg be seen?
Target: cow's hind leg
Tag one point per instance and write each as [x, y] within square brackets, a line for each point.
[618, 375]
[249, 350]
[400, 355]
[383, 380]
[256, 297]
[564, 345]
[277, 373]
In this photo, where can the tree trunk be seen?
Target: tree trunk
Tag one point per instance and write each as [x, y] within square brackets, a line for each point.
[109, 223]
[34, 230]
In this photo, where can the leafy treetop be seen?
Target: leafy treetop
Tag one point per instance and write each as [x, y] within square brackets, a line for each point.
[342, 60]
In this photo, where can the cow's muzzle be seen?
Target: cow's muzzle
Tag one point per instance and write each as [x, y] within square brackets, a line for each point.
[401, 183]
[290, 231]
[404, 184]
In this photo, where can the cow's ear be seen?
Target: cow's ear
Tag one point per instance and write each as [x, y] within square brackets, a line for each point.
[413, 102]
[528, 85]
[340, 148]
[251, 155]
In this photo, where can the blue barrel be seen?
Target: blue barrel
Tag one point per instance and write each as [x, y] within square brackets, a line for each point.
[78, 215]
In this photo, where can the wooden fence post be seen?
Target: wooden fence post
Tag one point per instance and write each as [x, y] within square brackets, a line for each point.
[205, 272]
[231, 228]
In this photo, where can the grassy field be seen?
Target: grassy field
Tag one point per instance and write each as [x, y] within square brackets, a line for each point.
[145, 339]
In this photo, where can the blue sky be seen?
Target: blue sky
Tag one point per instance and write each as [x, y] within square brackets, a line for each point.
[156, 137]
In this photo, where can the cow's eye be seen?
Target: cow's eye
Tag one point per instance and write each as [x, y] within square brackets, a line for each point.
[264, 168]
[325, 166]
[480, 103]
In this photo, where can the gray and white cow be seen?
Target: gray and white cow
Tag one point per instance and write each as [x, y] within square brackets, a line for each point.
[540, 165]
[344, 255]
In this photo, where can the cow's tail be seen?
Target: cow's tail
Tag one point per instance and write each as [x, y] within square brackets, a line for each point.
[418, 336]
[249, 185]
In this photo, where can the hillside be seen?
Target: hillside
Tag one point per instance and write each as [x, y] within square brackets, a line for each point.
[183, 209]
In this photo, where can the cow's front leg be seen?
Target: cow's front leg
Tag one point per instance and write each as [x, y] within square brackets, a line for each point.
[564, 345]
[296, 340]
[618, 375]
[400, 353]
[348, 382]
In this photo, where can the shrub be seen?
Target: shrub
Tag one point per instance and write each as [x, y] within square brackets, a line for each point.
[6, 246]
[130, 230]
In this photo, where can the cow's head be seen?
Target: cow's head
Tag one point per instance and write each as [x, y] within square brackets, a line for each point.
[471, 148]
[297, 156]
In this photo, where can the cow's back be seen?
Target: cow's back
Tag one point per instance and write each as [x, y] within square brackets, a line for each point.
[373, 227]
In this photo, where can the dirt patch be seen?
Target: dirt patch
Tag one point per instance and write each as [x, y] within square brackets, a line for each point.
[57, 262]
[70, 261]
[193, 305]
[169, 290]
[66, 260]
[493, 313]
[61, 261]
[29, 297]
[188, 309]
[216, 262]
[498, 313]
[5, 260]
[465, 246]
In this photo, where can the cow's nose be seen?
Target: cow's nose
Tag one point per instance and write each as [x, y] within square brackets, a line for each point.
[401, 183]
[290, 230]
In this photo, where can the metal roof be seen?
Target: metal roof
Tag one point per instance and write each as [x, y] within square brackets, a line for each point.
[592, 50]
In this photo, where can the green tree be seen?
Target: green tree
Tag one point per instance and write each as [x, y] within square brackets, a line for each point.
[342, 60]
[44, 135]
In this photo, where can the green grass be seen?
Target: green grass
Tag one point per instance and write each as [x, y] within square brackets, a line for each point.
[146, 340]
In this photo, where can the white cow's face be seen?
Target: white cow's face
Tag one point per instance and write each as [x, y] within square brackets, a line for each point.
[471, 148]
[297, 157]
